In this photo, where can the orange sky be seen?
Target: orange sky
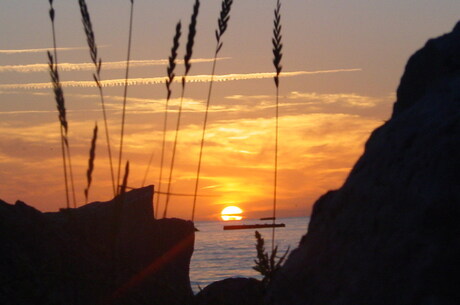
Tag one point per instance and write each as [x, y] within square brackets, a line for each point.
[342, 64]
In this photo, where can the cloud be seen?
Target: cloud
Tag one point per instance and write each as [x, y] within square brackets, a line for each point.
[114, 65]
[22, 51]
[253, 97]
[316, 152]
[241, 106]
[159, 80]
[349, 100]
[306, 98]
[296, 102]
[26, 112]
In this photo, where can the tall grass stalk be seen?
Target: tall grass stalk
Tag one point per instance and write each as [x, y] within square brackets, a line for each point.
[222, 27]
[188, 65]
[169, 81]
[92, 157]
[277, 55]
[147, 169]
[97, 61]
[72, 184]
[60, 103]
[125, 93]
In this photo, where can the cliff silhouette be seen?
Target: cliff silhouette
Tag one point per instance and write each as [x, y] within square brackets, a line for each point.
[391, 233]
[89, 256]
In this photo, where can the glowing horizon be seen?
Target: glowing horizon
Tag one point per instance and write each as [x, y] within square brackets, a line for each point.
[341, 67]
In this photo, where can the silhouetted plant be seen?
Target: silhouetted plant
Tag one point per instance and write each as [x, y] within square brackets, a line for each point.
[188, 65]
[125, 93]
[60, 103]
[92, 156]
[277, 48]
[97, 61]
[169, 81]
[267, 265]
[222, 27]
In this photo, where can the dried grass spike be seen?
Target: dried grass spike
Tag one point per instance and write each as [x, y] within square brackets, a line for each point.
[172, 59]
[169, 81]
[191, 37]
[277, 45]
[58, 93]
[223, 22]
[88, 27]
[125, 92]
[125, 180]
[92, 157]
[51, 12]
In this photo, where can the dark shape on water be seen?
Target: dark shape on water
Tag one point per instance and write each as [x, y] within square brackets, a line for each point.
[67, 257]
[254, 226]
[391, 233]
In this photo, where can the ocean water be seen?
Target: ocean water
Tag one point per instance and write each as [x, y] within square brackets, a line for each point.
[222, 254]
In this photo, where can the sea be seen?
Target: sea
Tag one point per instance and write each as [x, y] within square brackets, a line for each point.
[222, 254]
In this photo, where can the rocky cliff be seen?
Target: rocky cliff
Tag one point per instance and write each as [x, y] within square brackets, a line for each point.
[391, 233]
[101, 253]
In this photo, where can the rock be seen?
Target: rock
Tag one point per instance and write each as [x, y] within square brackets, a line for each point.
[391, 233]
[94, 254]
[232, 291]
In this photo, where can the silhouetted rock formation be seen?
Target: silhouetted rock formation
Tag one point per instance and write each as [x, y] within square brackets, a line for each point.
[94, 254]
[232, 291]
[391, 234]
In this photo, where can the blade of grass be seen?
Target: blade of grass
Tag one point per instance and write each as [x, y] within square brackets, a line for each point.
[147, 169]
[222, 27]
[92, 157]
[125, 93]
[169, 81]
[60, 103]
[59, 97]
[72, 184]
[97, 61]
[277, 55]
[188, 65]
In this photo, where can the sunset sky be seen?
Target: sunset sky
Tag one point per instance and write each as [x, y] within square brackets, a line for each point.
[342, 62]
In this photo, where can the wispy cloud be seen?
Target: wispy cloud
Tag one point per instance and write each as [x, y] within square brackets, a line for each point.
[26, 112]
[311, 102]
[346, 99]
[22, 51]
[316, 152]
[158, 80]
[114, 65]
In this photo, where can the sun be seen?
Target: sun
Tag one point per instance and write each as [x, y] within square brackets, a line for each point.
[231, 213]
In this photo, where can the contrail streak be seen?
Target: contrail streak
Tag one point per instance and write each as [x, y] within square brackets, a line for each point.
[161, 80]
[114, 65]
[21, 51]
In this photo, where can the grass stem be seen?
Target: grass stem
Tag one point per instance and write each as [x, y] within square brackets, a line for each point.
[222, 27]
[169, 81]
[277, 48]
[92, 157]
[60, 103]
[97, 61]
[188, 65]
[125, 93]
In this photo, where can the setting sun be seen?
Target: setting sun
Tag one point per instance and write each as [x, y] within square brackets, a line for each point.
[231, 213]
